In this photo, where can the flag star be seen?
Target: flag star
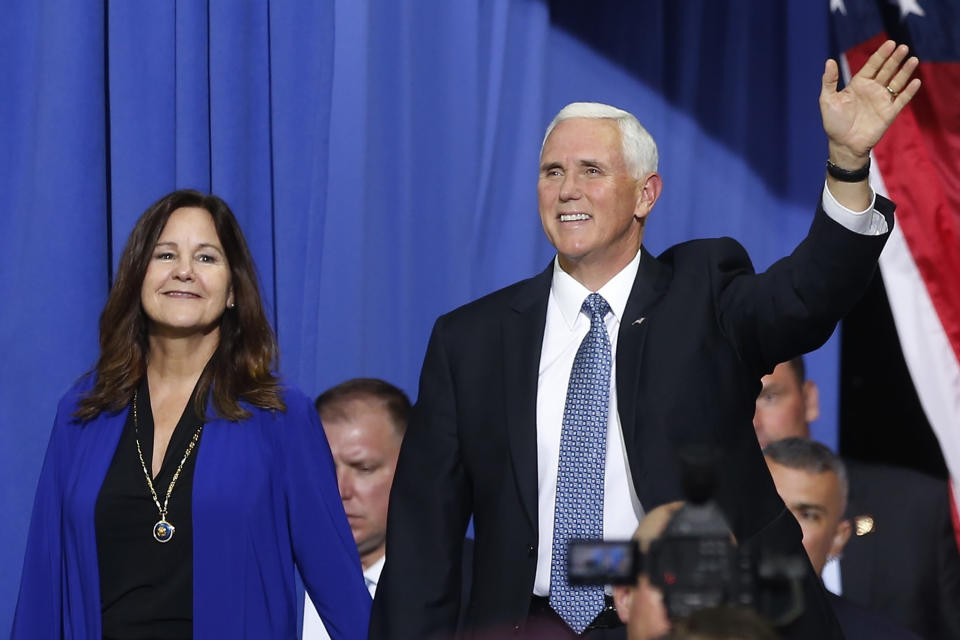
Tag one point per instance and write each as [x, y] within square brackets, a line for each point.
[908, 7]
[837, 5]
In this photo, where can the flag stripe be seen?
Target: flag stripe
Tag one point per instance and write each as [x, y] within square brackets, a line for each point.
[918, 164]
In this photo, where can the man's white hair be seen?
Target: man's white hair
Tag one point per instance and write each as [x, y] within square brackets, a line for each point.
[639, 149]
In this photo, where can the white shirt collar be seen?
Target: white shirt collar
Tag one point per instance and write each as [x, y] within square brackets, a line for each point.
[570, 294]
[372, 573]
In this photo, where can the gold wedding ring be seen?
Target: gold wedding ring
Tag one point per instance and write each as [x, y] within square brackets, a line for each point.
[892, 92]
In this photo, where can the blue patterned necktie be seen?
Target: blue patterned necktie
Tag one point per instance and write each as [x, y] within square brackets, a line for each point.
[583, 450]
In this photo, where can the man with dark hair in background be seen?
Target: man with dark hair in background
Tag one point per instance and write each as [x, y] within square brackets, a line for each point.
[812, 481]
[904, 560]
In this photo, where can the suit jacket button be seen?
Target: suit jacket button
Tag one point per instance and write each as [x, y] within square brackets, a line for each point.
[530, 550]
[516, 628]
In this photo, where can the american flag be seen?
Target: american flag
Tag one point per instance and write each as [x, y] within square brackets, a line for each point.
[917, 164]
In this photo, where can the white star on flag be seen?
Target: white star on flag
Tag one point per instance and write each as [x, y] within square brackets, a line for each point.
[837, 5]
[907, 7]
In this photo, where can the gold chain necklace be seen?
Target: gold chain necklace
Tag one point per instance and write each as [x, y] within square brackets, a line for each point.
[163, 530]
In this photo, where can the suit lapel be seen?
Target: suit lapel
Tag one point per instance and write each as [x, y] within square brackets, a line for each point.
[523, 328]
[650, 283]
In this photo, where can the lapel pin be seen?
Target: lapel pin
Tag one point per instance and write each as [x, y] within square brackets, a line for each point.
[639, 321]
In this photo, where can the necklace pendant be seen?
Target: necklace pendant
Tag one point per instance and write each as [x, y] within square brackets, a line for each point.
[163, 531]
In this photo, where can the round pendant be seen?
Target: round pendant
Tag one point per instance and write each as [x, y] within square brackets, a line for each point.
[163, 531]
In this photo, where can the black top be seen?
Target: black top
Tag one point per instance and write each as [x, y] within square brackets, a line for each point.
[146, 587]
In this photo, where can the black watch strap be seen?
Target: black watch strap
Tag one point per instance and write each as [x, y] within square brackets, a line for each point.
[843, 175]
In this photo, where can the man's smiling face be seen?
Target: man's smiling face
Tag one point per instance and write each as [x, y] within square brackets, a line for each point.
[590, 205]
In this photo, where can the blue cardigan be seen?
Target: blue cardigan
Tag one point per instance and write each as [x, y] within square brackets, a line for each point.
[265, 503]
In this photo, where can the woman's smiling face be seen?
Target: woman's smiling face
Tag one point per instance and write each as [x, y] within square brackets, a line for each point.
[187, 287]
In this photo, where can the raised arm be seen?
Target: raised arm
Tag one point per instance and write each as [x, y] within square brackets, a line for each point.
[855, 118]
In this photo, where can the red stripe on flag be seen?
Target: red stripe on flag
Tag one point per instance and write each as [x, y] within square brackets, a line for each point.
[919, 158]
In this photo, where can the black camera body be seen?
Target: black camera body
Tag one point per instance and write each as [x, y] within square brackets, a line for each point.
[696, 564]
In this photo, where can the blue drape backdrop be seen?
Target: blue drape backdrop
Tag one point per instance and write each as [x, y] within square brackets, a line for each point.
[381, 158]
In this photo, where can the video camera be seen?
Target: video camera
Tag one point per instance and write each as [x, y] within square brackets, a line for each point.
[695, 562]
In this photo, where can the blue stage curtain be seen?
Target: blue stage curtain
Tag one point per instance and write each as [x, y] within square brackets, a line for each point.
[380, 156]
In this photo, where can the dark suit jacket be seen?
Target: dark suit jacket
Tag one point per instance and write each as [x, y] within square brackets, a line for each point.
[908, 568]
[688, 373]
[859, 623]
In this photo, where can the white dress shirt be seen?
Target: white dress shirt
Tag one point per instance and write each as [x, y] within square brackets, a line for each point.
[831, 576]
[313, 628]
[565, 329]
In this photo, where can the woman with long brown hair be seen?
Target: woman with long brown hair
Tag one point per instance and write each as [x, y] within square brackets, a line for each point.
[183, 484]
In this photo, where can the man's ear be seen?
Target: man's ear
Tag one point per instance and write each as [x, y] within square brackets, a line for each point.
[622, 599]
[840, 538]
[811, 401]
[648, 191]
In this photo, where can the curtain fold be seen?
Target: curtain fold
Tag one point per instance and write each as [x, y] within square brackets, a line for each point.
[54, 241]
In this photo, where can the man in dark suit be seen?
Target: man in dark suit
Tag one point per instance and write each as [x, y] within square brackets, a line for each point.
[904, 560]
[905, 563]
[812, 481]
[682, 341]
[364, 420]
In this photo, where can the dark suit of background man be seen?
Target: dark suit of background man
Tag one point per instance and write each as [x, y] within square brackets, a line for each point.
[691, 332]
[906, 564]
